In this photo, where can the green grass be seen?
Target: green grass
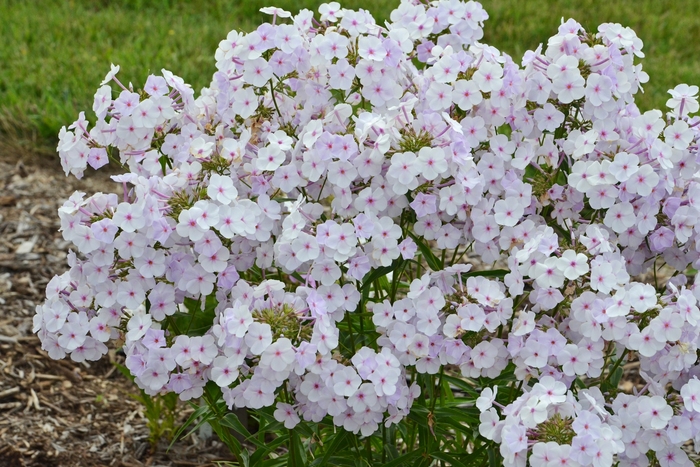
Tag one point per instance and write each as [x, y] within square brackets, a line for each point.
[54, 53]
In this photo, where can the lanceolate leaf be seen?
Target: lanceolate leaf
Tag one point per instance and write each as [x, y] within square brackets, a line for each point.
[339, 443]
[375, 274]
[433, 261]
[197, 321]
[496, 273]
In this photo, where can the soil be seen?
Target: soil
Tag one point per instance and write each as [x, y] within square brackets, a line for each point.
[61, 413]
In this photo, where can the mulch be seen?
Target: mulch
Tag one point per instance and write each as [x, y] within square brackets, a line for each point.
[61, 413]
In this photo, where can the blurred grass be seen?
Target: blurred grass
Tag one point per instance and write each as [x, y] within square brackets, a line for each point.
[53, 54]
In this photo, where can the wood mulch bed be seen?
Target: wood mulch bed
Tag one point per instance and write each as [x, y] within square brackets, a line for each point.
[60, 413]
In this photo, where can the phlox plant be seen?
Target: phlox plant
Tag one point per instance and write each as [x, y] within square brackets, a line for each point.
[394, 245]
[160, 411]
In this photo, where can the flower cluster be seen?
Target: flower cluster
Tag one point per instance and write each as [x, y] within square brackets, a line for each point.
[297, 234]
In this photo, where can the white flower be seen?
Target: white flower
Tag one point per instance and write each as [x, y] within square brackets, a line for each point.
[279, 356]
[691, 395]
[286, 414]
[620, 217]
[624, 166]
[489, 77]
[221, 189]
[258, 337]
[548, 273]
[237, 320]
[114, 69]
[486, 399]
[137, 326]
[224, 370]
[573, 265]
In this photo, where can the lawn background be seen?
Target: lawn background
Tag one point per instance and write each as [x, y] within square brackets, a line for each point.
[53, 54]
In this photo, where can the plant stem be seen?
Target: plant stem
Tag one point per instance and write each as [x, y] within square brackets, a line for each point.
[274, 100]
[616, 365]
[454, 256]
[352, 335]
[368, 450]
[383, 443]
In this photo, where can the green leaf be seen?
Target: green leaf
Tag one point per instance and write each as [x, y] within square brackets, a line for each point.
[340, 440]
[451, 459]
[165, 162]
[493, 458]
[616, 377]
[203, 412]
[213, 394]
[231, 420]
[226, 437]
[196, 321]
[125, 372]
[266, 448]
[499, 273]
[560, 132]
[447, 390]
[277, 462]
[530, 172]
[504, 129]
[170, 399]
[339, 96]
[463, 385]
[375, 274]
[344, 461]
[402, 460]
[561, 178]
[391, 451]
[296, 449]
[418, 64]
[384, 284]
[423, 461]
[245, 457]
[433, 261]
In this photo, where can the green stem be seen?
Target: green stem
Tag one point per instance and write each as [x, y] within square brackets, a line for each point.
[172, 325]
[383, 443]
[274, 100]
[292, 449]
[463, 253]
[199, 302]
[616, 365]
[228, 439]
[378, 289]
[362, 330]
[454, 256]
[397, 282]
[522, 299]
[368, 451]
[656, 281]
[352, 335]
[357, 446]
[320, 193]
[438, 389]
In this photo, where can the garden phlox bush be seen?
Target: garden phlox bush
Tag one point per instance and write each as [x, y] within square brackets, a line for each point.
[354, 217]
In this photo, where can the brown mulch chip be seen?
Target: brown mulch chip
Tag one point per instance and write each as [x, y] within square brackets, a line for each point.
[61, 413]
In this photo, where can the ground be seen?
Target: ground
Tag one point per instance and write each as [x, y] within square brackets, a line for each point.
[60, 413]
